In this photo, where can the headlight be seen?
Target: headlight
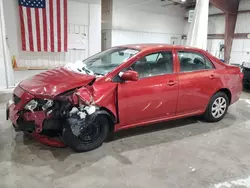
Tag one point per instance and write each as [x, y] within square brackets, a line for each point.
[48, 104]
[31, 105]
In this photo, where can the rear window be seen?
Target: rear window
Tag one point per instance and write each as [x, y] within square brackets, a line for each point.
[193, 61]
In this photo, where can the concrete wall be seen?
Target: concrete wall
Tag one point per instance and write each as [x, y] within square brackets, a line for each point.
[136, 20]
[140, 24]
[133, 26]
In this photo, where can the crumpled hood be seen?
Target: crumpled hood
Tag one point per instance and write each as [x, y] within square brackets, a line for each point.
[55, 81]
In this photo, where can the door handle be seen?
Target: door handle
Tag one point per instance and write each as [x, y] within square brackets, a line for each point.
[212, 77]
[172, 83]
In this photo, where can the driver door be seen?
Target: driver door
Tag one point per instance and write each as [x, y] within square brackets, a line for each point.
[154, 95]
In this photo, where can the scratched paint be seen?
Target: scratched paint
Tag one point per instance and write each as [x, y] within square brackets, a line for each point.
[146, 107]
[239, 182]
[159, 105]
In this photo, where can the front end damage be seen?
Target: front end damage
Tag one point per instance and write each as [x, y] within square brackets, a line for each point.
[44, 119]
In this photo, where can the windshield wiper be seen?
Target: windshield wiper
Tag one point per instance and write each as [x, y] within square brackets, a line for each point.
[86, 70]
[98, 74]
[91, 72]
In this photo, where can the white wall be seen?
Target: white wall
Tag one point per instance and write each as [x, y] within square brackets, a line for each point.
[94, 29]
[216, 25]
[132, 25]
[6, 72]
[85, 15]
[241, 47]
[121, 37]
[134, 20]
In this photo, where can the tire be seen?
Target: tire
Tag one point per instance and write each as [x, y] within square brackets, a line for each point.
[99, 125]
[218, 103]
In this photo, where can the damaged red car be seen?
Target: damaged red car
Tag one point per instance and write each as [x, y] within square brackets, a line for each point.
[121, 88]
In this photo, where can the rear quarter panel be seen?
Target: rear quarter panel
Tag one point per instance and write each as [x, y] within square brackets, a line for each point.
[233, 82]
[230, 76]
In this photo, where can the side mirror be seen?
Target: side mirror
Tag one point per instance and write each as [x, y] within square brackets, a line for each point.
[129, 75]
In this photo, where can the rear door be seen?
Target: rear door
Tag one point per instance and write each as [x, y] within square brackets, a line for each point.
[197, 82]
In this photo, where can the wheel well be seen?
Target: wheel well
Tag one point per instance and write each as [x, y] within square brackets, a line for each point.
[111, 118]
[227, 92]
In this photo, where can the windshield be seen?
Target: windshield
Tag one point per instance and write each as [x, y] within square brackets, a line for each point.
[104, 62]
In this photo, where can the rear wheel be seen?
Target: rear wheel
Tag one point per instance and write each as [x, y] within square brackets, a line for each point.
[217, 107]
[86, 135]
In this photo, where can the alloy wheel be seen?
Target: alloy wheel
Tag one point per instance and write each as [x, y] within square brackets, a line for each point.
[219, 107]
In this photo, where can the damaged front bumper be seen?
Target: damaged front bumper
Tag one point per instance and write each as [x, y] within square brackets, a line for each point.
[24, 120]
[30, 122]
[12, 114]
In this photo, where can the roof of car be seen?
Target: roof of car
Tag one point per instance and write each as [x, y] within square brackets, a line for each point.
[154, 46]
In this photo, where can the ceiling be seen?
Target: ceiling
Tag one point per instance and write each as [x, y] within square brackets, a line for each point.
[183, 3]
[89, 1]
[169, 7]
[153, 6]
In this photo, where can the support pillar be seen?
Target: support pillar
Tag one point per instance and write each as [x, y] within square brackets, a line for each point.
[107, 16]
[229, 35]
[197, 35]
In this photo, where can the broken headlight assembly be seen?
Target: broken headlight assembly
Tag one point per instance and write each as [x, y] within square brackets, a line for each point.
[39, 105]
[48, 104]
[32, 105]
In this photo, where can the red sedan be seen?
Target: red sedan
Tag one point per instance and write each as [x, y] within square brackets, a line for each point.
[120, 88]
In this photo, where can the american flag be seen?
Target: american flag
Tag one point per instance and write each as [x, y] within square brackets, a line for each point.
[44, 25]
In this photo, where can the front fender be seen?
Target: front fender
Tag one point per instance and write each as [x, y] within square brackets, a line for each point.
[103, 95]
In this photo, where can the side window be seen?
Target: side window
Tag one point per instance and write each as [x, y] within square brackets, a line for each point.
[209, 64]
[154, 64]
[191, 61]
[153, 57]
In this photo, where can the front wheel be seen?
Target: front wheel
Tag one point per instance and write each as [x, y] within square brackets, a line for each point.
[85, 135]
[217, 107]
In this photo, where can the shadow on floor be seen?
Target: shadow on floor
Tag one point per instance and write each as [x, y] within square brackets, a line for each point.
[246, 89]
[64, 161]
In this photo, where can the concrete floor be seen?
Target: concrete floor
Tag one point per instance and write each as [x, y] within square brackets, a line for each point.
[183, 153]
